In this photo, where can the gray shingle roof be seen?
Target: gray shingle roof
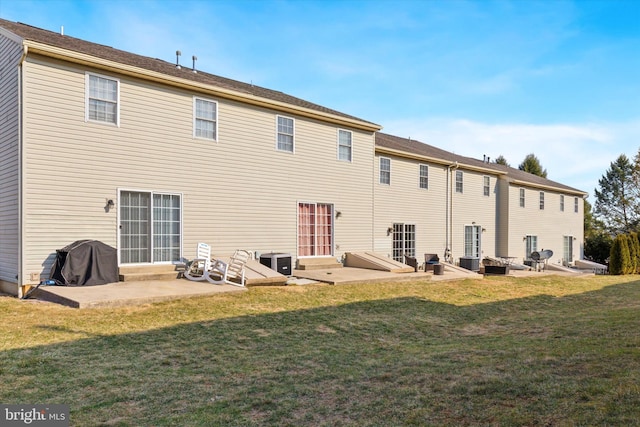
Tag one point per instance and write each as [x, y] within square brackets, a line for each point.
[51, 38]
[411, 146]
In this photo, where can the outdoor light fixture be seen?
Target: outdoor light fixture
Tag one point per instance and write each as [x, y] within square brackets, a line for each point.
[338, 214]
[389, 231]
[110, 203]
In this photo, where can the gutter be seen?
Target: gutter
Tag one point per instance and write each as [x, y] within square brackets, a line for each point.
[209, 89]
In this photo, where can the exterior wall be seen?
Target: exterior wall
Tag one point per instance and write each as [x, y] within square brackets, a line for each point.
[238, 192]
[10, 53]
[502, 236]
[472, 207]
[403, 201]
[550, 225]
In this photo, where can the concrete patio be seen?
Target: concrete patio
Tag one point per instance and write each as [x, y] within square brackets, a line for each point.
[150, 291]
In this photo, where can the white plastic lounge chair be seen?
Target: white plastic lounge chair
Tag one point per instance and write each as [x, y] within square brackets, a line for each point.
[198, 268]
[231, 273]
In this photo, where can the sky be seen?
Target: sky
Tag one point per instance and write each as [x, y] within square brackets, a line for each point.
[557, 79]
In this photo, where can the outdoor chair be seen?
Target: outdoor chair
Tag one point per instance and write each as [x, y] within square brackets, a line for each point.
[412, 262]
[231, 273]
[430, 260]
[197, 269]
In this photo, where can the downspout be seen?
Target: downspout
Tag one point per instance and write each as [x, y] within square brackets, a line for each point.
[449, 211]
[21, 234]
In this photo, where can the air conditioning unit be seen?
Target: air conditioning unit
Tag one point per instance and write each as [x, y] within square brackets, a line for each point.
[279, 262]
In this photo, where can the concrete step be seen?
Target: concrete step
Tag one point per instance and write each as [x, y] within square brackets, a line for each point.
[135, 273]
[322, 263]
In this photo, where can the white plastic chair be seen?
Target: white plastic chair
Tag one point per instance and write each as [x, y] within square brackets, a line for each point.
[231, 273]
[198, 268]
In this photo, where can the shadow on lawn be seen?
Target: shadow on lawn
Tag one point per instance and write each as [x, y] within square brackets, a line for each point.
[404, 361]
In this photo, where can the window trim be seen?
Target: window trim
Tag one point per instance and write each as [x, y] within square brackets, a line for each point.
[87, 97]
[541, 205]
[196, 118]
[576, 207]
[423, 178]
[522, 198]
[562, 203]
[338, 145]
[460, 182]
[486, 185]
[380, 171]
[293, 134]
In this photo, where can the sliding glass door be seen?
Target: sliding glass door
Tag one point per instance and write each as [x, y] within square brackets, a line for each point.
[150, 227]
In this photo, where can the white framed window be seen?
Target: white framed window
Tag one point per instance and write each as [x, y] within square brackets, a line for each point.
[102, 99]
[459, 182]
[404, 241]
[385, 171]
[561, 203]
[315, 229]
[345, 149]
[531, 245]
[472, 240]
[486, 187]
[205, 119]
[522, 197]
[542, 200]
[285, 133]
[424, 177]
[575, 204]
[567, 250]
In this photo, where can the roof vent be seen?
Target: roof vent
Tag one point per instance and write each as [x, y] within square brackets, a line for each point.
[178, 53]
[195, 58]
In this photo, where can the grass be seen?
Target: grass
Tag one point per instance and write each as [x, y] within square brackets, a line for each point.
[549, 350]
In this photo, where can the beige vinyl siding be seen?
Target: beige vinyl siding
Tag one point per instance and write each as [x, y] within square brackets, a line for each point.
[472, 207]
[10, 53]
[238, 192]
[549, 225]
[502, 221]
[403, 201]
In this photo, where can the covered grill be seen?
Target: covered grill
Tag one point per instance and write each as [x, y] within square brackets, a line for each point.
[85, 262]
[542, 256]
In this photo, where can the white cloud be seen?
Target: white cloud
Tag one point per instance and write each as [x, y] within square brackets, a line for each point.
[573, 154]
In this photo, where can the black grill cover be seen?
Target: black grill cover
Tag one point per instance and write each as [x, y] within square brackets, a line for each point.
[85, 262]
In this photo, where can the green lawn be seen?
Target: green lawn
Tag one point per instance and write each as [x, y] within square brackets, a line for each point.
[542, 351]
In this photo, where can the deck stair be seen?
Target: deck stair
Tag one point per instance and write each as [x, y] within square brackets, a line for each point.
[321, 263]
[375, 261]
[256, 274]
[136, 273]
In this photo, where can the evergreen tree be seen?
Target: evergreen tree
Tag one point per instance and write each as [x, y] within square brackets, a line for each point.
[500, 160]
[618, 197]
[619, 257]
[635, 244]
[633, 253]
[532, 165]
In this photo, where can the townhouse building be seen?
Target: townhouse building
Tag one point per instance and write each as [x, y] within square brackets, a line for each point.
[152, 158]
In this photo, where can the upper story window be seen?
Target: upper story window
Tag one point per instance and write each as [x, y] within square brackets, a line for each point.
[344, 145]
[561, 203]
[459, 182]
[102, 99]
[205, 119]
[575, 204]
[522, 197]
[285, 134]
[542, 200]
[385, 171]
[424, 176]
[486, 187]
